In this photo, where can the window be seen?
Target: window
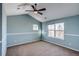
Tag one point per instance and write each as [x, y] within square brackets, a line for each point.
[35, 27]
[56, 30]
[51, 30]
[59, 30]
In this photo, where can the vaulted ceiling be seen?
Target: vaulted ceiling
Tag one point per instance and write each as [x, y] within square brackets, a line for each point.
[53, 10]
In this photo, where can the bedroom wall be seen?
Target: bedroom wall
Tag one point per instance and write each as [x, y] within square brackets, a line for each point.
[0, 28]
[20, 30]
[71, 32]
[4, 31]
[0, 49]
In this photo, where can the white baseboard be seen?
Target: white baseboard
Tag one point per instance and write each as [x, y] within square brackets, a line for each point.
[46, 41]
[62, 45]
[23, 43]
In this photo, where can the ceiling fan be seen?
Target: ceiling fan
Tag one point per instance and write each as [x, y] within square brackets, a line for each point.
[34, 7]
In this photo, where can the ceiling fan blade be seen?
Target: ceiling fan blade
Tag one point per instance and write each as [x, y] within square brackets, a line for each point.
[43, 9]
[40, 13]
[29, 10]
[33, 7]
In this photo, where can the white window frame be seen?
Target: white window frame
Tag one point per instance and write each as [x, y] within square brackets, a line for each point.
[35, 27]
[50, 29]
[55, 34]
[60, 30]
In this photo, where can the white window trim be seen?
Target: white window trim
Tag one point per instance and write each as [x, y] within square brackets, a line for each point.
[55, 32]
[35, 27]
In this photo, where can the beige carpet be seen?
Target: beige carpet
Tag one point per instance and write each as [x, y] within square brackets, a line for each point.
[40, 48]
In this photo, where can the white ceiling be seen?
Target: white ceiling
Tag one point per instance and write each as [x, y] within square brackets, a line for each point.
[53, 10]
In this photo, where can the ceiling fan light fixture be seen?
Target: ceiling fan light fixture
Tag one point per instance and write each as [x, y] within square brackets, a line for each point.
[35, 12]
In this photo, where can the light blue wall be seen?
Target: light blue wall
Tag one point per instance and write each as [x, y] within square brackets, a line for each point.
[0, 49]
[4, 30]
[71, 26]
[0, 21]
[22, 24]
[0, 27]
